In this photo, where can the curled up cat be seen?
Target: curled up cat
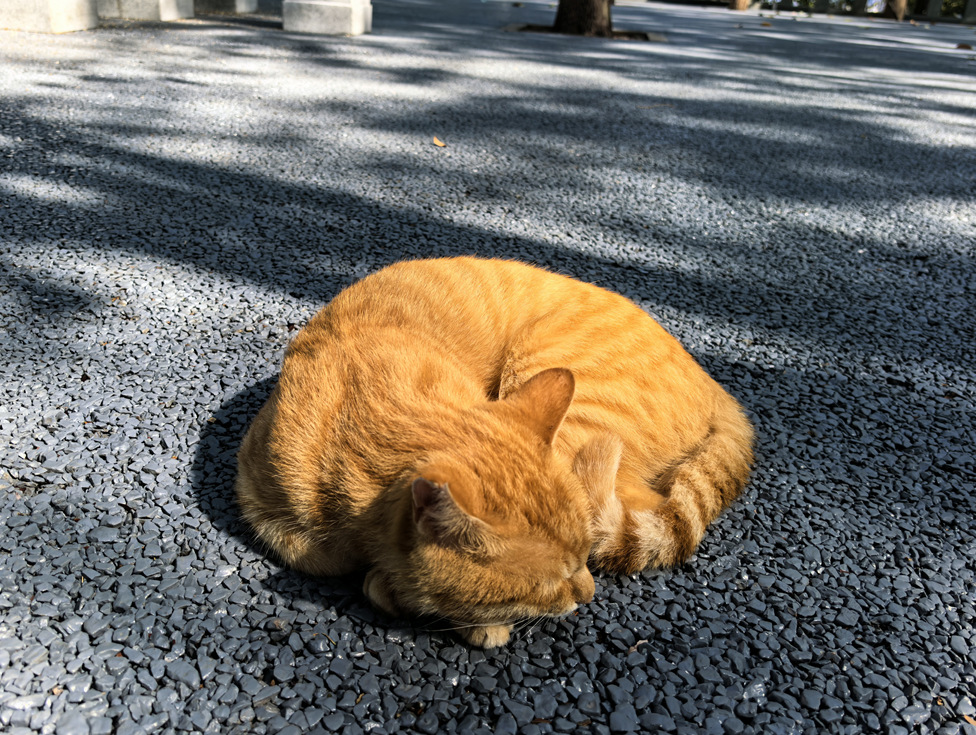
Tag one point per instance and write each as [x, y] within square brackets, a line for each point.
[475, 433]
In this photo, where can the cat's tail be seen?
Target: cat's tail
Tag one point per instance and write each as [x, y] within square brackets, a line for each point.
[630, 535]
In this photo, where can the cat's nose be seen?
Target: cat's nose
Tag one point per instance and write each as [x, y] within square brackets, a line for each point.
[583, 586]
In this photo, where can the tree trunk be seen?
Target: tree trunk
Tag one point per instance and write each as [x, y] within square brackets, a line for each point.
[583, 18]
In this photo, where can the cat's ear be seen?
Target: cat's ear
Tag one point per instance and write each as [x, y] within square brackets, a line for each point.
[544, 399]
[438, 516]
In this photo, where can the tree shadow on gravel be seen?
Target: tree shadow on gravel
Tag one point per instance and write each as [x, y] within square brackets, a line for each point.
[45, 298]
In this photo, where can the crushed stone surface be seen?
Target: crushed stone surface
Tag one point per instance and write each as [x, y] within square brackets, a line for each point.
[792, 197]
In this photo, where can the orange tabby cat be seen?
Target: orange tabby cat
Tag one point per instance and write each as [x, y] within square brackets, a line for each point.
[473, 431]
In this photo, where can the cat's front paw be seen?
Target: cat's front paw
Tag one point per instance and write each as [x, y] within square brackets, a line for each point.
[487, 636]
[377, 589]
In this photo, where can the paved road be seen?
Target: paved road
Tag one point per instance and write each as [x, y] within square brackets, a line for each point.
[792, 197]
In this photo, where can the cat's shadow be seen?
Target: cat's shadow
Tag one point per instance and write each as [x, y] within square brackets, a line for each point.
[212, 476]
[214, 465]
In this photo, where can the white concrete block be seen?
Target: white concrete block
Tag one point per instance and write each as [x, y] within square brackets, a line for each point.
[48, 16]
[226, 6]
[330, 17]
[146, 9]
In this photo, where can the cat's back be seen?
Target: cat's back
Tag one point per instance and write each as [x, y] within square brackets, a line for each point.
[468, 292]
[498, 320]
[471, 302]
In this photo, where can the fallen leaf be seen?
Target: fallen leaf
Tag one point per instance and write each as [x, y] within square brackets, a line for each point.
[633, 648]
[766, 25]
[964, 46]
[439, 143]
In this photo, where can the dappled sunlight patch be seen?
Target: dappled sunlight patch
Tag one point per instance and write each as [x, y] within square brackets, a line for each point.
[42, 188]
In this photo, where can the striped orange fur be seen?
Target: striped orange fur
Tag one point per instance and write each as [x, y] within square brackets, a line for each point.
[473, 431]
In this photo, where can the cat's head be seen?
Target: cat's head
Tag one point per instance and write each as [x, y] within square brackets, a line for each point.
[499, 527]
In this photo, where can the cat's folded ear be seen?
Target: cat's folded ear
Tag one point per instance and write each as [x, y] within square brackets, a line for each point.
[544, 400]
[438, 517]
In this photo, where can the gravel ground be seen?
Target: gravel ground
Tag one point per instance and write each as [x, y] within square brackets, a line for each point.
[792, 197]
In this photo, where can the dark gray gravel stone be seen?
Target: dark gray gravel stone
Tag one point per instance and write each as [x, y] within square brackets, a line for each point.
[545, 706]
[506, 725]
[624, 719]
[428, 723]
[333, 722]
[522, 713]
[72, 723]
[182, 672]
[958, 644]
[655, 721]
[588, 703]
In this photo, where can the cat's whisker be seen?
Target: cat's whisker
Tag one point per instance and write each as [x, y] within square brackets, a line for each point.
[527, 626]
[521, 626]
[453, 626]
[524, 630]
